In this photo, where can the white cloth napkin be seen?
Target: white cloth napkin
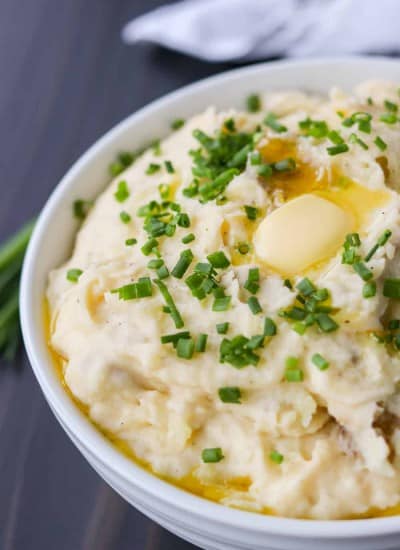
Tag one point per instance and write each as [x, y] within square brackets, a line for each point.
[236, 30]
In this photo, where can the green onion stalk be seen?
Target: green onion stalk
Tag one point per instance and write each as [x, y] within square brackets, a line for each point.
[11, 258]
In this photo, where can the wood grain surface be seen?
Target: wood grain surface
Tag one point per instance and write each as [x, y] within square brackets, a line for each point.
[65, 79]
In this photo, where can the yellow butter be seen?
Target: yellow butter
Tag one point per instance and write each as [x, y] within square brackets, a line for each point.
[300, 233]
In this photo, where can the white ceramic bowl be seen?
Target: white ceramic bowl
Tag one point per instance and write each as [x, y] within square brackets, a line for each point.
[209, 525]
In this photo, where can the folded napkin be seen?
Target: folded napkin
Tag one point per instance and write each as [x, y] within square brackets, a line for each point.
[238, 30]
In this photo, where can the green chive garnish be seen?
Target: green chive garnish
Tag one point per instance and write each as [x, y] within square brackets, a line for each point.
[201, 343]
[173, 311]
[251, 212]
[81, 208]
[149, 246]
[285, 165]
[218, 260]
[177, 123]
[272, 122]
[162, 272]
[222, 328]
[325, 322]
[254, 305]
[383, 239]
[269, 327]
[169, 167]
[369, 289]
[174, 338]
[122, 192]
[153, 168]
[362, 270]
[74, 274]
[212, 455]
[185, 259]
[306, 287]
[265, 171]
[391, 288]
[230, 394]
[221, 303]
[188, 238]
[276, 457]
[185, 348]
[382, 145]
[253, 103]
[320, 362]
[124, 217]
[337, 149]
[253, 279]
[155, 264]
[130, 242]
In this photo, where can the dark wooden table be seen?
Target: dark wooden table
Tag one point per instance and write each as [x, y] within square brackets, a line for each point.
[65, 78]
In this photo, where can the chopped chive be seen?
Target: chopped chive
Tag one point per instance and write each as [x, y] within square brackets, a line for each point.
[383, 239]
[144, 287]
[391, 288]
[188, 238]
[325, 322]
[335, 137]
[291, 362]
[394, 324]
[355, 139]
[363, 271]
[294, 375]
[254, 305]
[162, 272]
[174, 338]
[173, 311]
[153, 168]
[382, 145]
[252, 282]
[221, 303]
[299, 327]
[253, 103]
[269, 327]
[212, 455]
[390, 106]
[155, 264]
[230, 394]
[164, 190]
[177, 123]
[149, 246]
[243, 248]
[130, 242]
[124, 217]
[255, 158]
[276, 457]
[251, 212]
[201, 343]
[272, 122]
[229, 125]
[370, 101]
[183, 220]
[306, 287]
[74, 274]
[337, 149]
[222, 328]
[388, 118]
[169, 167]
[320, 362]
[122, 192]
[369, 289]
[185, 259]
[126, 292]
[81, 208]
[265, 170]
[285, 165]
[218, 260]
[185, 348]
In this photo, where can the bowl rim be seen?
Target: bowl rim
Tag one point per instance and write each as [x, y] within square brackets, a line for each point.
[89, 436]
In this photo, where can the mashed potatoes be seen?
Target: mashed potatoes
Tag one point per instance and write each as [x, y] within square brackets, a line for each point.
[230, 310]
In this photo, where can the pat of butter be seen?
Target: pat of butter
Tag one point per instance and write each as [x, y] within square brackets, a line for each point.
[301, 233]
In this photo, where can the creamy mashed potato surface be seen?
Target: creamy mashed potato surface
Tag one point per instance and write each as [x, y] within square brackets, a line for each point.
[230, 311]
